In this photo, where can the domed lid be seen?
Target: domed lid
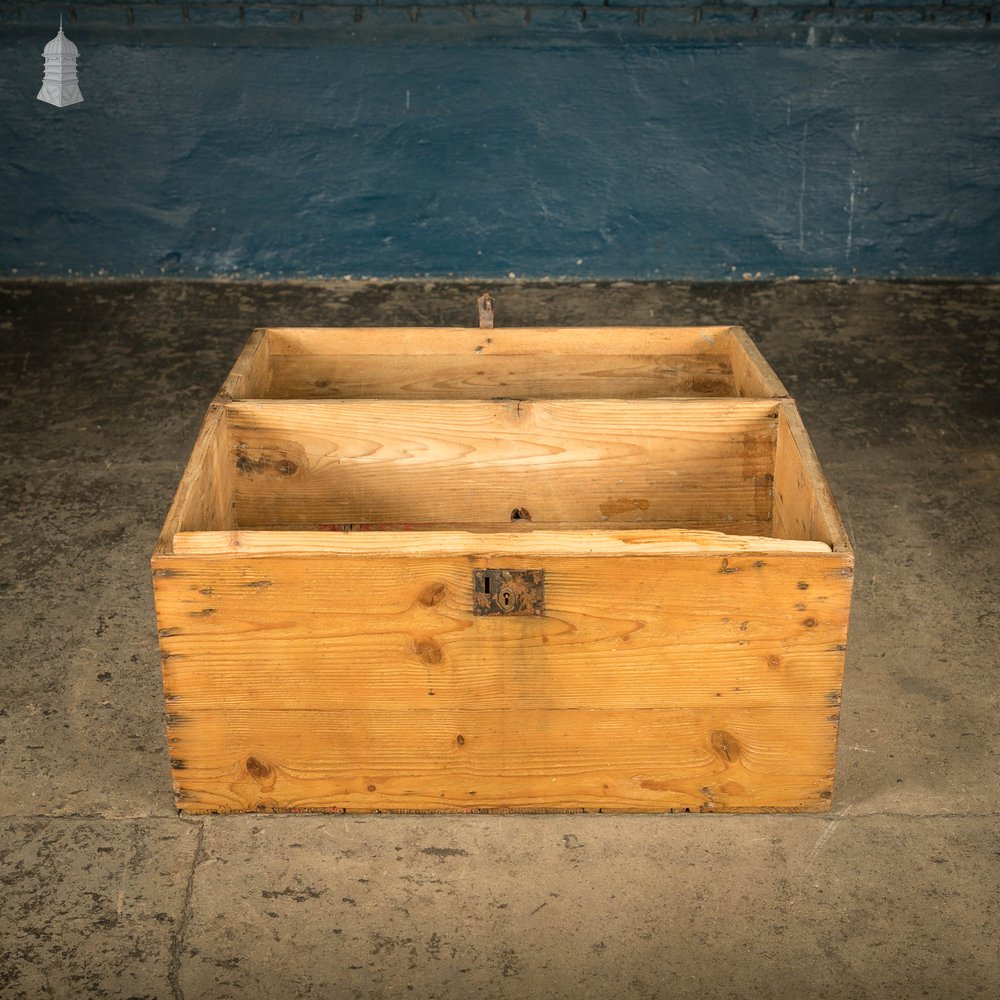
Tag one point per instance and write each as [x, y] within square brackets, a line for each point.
[60, 45]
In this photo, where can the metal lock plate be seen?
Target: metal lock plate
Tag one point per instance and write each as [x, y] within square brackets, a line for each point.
[508, 592]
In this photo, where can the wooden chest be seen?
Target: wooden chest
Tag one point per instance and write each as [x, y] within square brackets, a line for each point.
[525, 569]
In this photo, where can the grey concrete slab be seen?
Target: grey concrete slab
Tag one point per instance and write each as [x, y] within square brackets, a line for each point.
[70, 528]
[81, 716]
[92, 908]
[600, 906]
[919, 720]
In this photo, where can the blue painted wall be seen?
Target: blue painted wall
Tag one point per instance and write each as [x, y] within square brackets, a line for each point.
[668, 140]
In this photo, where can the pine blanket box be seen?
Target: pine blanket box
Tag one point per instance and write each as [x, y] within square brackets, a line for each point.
[508, 569]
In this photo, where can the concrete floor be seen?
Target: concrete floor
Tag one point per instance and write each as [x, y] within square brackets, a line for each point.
[107, 892]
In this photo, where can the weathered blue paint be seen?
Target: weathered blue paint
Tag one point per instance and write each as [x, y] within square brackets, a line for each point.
[592, 141]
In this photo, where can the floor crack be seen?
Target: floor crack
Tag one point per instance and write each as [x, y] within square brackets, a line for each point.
[180, 936]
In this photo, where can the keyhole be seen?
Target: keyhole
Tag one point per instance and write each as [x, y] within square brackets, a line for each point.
[508, 592]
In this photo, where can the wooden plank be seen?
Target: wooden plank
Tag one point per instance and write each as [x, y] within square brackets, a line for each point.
[752, 375]
[804, 506]
[204, 497]
[336, 632]
[421, 341]
[536, 376]
[477, 539]
[685, 759]
[704, 464]
[250, 377]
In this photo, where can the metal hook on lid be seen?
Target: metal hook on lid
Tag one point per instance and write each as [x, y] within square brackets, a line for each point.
[485, 303]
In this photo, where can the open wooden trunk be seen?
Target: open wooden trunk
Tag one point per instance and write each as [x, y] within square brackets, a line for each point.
[535, 569]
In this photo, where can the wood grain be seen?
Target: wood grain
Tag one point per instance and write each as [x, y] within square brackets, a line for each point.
[336, 631]
[464, 363]
[395, 342]
[250, 377]
[530, 376]
[613, 761]
[204, 497]
[753, 377]
[477, 539]
[804, 506]
[636, 663]
[704, 464]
